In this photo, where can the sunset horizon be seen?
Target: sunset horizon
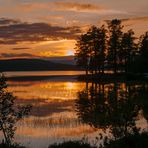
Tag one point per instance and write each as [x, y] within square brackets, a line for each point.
[50, 28]
[73, 73]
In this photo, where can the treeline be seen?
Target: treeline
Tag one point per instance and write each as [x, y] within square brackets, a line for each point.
[109, 48]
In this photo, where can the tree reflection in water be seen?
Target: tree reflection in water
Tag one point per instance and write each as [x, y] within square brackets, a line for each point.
[113, 106]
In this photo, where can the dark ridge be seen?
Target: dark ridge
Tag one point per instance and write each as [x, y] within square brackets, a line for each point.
[33, 65]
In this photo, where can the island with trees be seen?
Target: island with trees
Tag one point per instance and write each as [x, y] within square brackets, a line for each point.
[108, 51]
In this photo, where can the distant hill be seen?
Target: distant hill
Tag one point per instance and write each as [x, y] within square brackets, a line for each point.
[62, 59]
[33, 65]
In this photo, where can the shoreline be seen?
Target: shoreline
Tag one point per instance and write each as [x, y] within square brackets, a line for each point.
[38, 78]
[113, 78]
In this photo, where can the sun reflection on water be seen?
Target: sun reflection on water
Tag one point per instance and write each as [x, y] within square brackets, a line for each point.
[46, 90]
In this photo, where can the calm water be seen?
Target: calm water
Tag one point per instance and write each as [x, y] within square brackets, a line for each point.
[58, 113]
[43, 73]
[53, 117]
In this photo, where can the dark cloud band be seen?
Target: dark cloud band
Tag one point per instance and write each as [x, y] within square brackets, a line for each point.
[12, 32]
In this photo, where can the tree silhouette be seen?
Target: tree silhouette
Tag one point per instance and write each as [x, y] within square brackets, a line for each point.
[102, 49]
[82, 52]
[140, 62]
[115, 31]
[98, 48]
[128, 50]
[144, 45]
[90, 49]
[10, 113]
[93, 45]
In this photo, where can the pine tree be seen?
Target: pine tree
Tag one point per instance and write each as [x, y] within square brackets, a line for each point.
[128, 50]
[115, 32]
[82, 54]
[144, 45]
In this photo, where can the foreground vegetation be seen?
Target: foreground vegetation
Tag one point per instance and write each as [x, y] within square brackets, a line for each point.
[10, 114]
[132, 141]
[72, 144]
[4, 145]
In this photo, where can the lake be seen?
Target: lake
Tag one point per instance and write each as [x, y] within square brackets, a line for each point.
[43, 73]
[58, 113]
[53, 117]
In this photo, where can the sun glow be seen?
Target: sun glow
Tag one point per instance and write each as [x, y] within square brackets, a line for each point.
[70, 52]
[56, 48]
[70, 85]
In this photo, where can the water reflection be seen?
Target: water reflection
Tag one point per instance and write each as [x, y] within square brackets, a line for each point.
[52, 118]
[116, 106]
[68, 109]
[43, 73]
[49, 90]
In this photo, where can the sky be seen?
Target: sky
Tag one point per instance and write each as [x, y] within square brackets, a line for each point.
[48, 28]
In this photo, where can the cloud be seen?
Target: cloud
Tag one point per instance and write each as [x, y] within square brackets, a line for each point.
[63, 13]
[34, 32]
[80, 7]
[14, 55]
[68, 6]
[5, 21]
[60, 6]
[20, 48]
[55, 48]
[138, 24]
[145, 18]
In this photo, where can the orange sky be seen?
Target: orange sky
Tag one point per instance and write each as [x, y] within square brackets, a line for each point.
[45, 28]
